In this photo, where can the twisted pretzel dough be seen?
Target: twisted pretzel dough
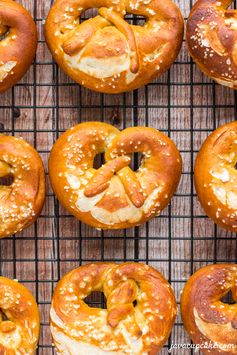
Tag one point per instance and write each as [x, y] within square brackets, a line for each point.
[114, 196]
[106, 53]
[22, 201]
[206, 318]
[19, 319]
[18, 44]
[122, 328]
[215, 175]
[212, 40]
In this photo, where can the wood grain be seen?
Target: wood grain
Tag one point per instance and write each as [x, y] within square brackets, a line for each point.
[182, 103]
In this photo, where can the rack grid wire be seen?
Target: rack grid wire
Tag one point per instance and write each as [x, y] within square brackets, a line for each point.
[183, 104]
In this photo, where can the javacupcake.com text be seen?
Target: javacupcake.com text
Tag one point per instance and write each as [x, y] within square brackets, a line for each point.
[197, 347]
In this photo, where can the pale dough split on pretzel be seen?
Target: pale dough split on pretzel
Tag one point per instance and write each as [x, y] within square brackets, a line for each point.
[19, 319]
[140, 313]
[18, 43]
[114, 196]
[215, 176]
[106, 53]
[212, 40]
[21, 201]
[207, 318]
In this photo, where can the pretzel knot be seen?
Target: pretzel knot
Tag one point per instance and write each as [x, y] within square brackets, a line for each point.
[212, 40]
[114, 196]
[141, 310]
[206, 317]
[106, 53]
[18, 42]
[19, 319]
[21, 201]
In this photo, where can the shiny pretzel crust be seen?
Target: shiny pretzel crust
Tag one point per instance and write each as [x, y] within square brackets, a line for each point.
[114, 196]
[19, 333]
[106, 53]
[122, 328]
[18, 48]
[215, 176]
[206, 318]
[22, 201]
[212, 40]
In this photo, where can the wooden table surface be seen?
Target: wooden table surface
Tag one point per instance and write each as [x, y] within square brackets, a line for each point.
[182, 103]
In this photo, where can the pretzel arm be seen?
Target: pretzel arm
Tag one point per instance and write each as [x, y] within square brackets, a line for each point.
[120, 302]
[132, 186]
[225, 3]
[116, 314]
[126, 29]
[231, 13]
[214, 40]
[82, 34]
[100, 181]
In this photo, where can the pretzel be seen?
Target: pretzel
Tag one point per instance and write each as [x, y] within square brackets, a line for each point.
[22, 201]
[106, 53]
[215, 176]
[18, 43]
[212, 40]
[19, 319]
[140, 313]
[206, 318]
[114, 196]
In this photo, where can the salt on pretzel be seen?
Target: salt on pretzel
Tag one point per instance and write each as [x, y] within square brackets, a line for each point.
[19, 319]
[106, 53]
[206, 318]
[140, 313]
[212, 40]
[114, 196]
[22, 201]
[18, 43]
[215, 176]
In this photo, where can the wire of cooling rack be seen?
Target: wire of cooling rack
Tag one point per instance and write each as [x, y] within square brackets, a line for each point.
[183, 104]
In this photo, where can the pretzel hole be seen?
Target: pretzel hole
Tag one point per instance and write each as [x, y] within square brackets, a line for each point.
[3, 316]
[6, 180]
[98, 161]
[132, 19]
[2, 37]
[136, 20]
[6, 176]
[136, 160]
[228, 298]
[134, 303]
[4, 32]
[89, 13]
[96, 299]
[235, 166]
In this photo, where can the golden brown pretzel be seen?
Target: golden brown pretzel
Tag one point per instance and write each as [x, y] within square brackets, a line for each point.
[106, 53]
[206, 318]
[140, 313]
[19, 319]
[215, 175]
[114, 196]
[212, 40]
[18, 43]
[22, 201]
